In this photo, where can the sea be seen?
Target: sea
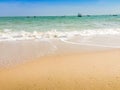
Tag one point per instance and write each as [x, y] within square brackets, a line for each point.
[99, 30]
[30, 37]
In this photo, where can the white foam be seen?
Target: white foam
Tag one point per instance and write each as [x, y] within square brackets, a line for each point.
[87, 44]
[8, 35]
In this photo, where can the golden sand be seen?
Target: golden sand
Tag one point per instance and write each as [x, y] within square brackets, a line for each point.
[87, 71]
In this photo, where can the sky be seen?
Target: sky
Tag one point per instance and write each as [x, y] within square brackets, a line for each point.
[58, 7]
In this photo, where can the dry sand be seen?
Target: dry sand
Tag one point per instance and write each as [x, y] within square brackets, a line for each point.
[73, 71]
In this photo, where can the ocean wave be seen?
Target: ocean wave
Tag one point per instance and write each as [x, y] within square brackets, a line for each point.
[8, 35]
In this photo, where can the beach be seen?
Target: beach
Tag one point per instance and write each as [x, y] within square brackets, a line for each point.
[60, 53]
[72, 71]
[18, 52]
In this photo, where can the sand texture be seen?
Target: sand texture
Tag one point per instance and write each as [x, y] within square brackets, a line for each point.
[73, 71]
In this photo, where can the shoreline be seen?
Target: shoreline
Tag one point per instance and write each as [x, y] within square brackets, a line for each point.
[56, 65]
[17, 52]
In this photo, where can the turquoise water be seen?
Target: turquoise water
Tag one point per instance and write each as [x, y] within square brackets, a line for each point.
[67, 23]
[22, 28]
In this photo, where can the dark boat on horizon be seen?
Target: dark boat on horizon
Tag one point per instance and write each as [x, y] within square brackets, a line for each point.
[79, 15]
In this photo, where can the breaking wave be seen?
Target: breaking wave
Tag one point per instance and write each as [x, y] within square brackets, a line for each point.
[8, 35]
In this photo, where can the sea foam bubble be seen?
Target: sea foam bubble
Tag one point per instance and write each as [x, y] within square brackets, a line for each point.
[8, 35]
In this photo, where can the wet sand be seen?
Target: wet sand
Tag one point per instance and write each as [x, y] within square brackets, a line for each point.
[16, 52]
[98, 70]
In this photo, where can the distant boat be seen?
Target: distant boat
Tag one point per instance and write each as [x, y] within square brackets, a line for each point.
[79, 15]
[34, 16]
[115, 15]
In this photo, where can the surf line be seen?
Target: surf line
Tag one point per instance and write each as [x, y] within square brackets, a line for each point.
[65, 41]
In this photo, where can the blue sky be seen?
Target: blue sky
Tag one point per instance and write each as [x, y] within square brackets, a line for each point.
[58, 7]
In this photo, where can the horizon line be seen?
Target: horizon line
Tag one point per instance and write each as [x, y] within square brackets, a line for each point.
[57, 15]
